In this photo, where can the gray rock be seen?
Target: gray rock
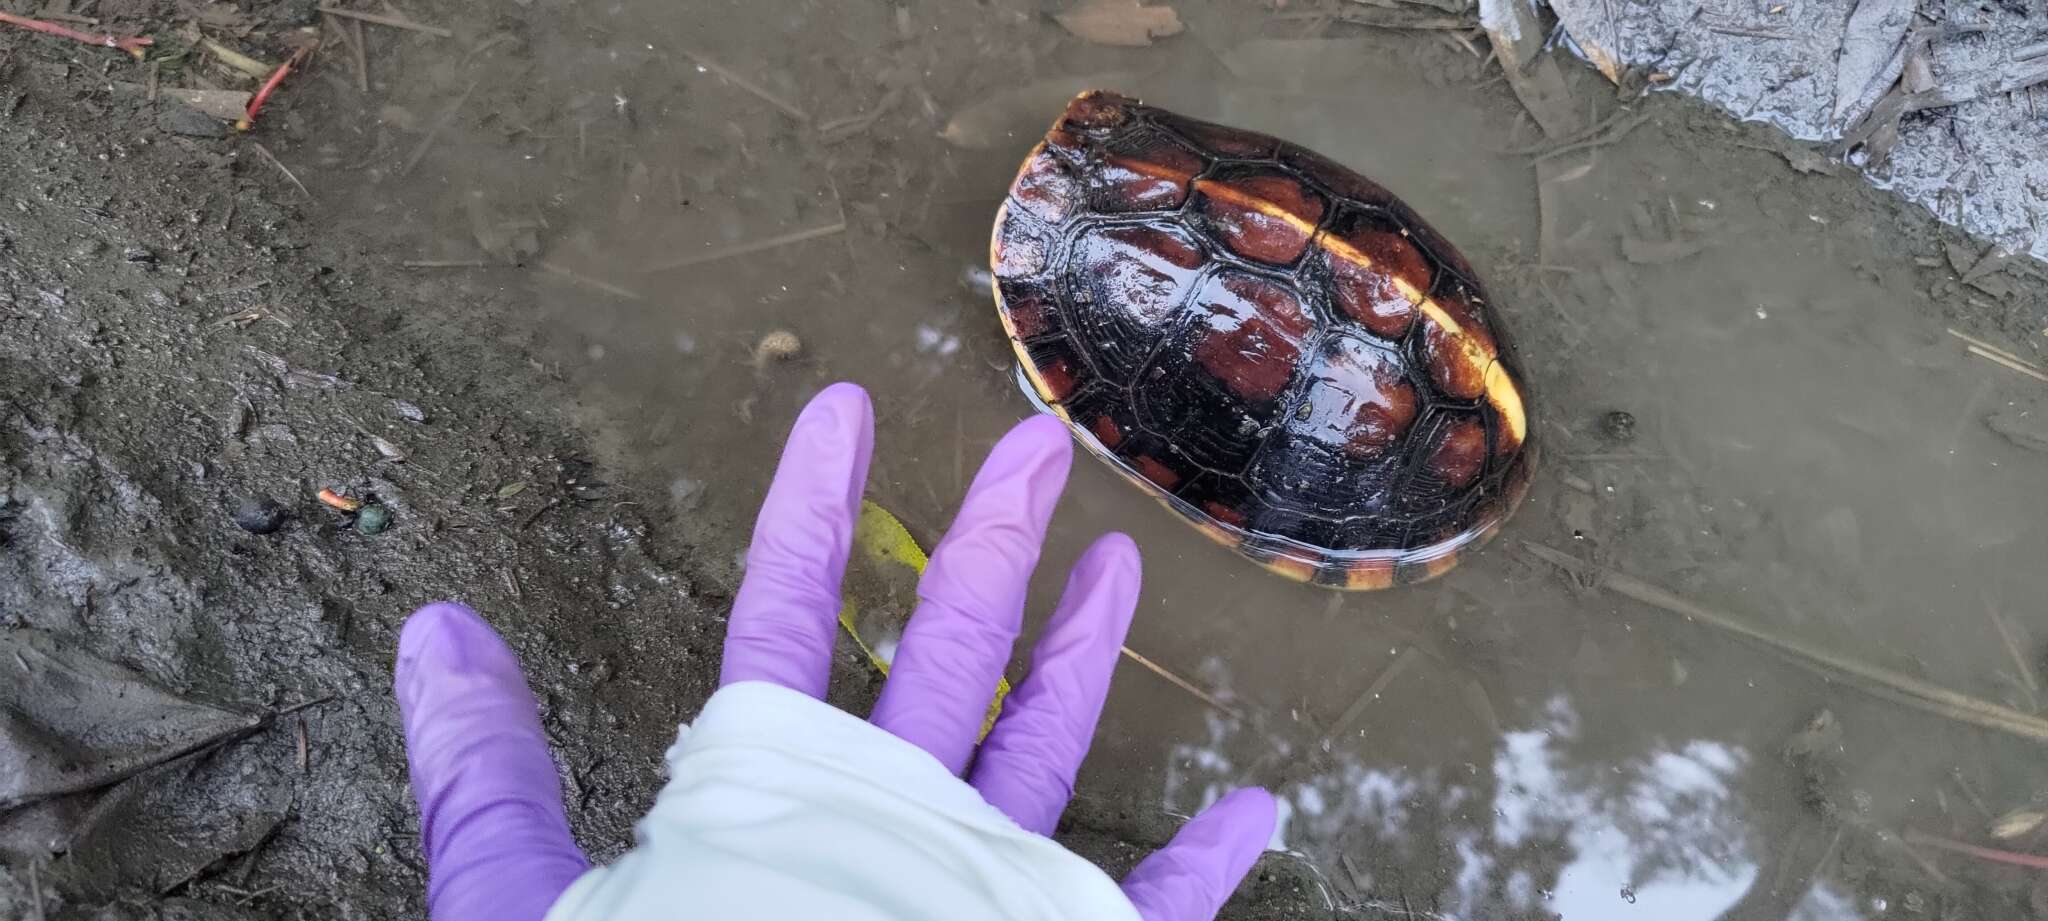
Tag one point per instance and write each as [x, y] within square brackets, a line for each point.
[189, 122]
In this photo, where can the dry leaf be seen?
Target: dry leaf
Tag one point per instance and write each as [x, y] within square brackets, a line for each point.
[1120, 22]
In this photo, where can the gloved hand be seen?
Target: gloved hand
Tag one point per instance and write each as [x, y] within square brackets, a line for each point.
[496, 838]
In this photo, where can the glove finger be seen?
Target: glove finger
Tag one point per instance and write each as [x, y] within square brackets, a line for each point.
[971, 598]
[491, 823]
[787, 609]
[1194, 874]
[1026, 767]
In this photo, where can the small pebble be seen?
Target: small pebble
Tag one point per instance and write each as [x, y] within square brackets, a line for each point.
[373, 519]
[260, 515]
[138, 254]
[1620, 425]
[409, 411]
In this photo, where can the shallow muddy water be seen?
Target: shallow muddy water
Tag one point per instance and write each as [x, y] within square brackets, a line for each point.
[1810, 453]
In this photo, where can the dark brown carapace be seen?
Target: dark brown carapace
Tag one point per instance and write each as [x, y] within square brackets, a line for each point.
[1271, 344]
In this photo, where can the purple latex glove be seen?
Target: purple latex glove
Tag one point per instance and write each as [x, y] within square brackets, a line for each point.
[497, 841]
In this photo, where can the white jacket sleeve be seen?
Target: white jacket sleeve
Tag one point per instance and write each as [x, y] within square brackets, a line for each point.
[779, 806]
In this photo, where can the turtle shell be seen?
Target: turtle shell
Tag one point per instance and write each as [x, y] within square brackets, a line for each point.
[1272, 345]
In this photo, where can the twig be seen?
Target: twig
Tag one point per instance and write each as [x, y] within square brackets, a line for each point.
[35, 888]
[133, 46]
[1612, 135]
[419, 151]
[2013, 858]
[754, 246]
[304, 755]
[2019, 660]
[1871, 679]
[392, 21]
[606, 287]
[362, 50]
[750, 86]
[267, 155]
[444, 263]
[1182, 683]
[1352, 713]
[1751, 33]
[2015, 364]
[1984, 349]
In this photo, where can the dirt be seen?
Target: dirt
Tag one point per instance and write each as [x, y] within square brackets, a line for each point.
[559, 403]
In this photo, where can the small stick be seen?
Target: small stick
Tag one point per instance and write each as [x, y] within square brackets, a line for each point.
[743, 83]
[2019, 660]
[304, 760]
[1871, 679]
[35, 888]
[419, 151]
[2013, 858]
[2013, 363]
[1751, 33]
[267, 155]
[606, 287]
[741, 249]
[444, 263]
[1615, 134]
[1351, 714]
[362, 49]
[392, 21]
[1182, 683]
[1984, 344]
[133, 46]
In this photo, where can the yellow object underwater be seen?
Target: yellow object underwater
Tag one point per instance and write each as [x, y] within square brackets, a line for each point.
[888, 552]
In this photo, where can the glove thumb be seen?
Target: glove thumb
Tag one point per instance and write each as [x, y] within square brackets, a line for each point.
[496, 839]
[1194, 874]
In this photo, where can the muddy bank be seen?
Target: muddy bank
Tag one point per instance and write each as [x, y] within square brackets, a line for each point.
[180, 338]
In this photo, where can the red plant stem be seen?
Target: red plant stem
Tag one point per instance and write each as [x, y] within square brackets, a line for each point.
[133, 46]
[270, 86]
[2015, 858]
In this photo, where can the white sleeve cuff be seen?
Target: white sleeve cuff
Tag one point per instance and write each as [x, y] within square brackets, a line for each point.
[780, 806]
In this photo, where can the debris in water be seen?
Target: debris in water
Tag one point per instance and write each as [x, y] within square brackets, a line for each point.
[133, 46]
[270, 86]
[373, 519]
[995, 121]
[1658, 252]
[755, 246]
[2024, 428]
[778, 345]
[1874, 680]
[1987, 351]
[392, 21]
[787, 107]
[2017, 822]
[339, 502]
[1120, 22]
[260, 515]
[1619, 425]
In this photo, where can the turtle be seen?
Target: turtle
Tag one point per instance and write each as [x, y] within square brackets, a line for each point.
[1270, 344]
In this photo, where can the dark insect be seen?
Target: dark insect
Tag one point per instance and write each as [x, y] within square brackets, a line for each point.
[1271, 344]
